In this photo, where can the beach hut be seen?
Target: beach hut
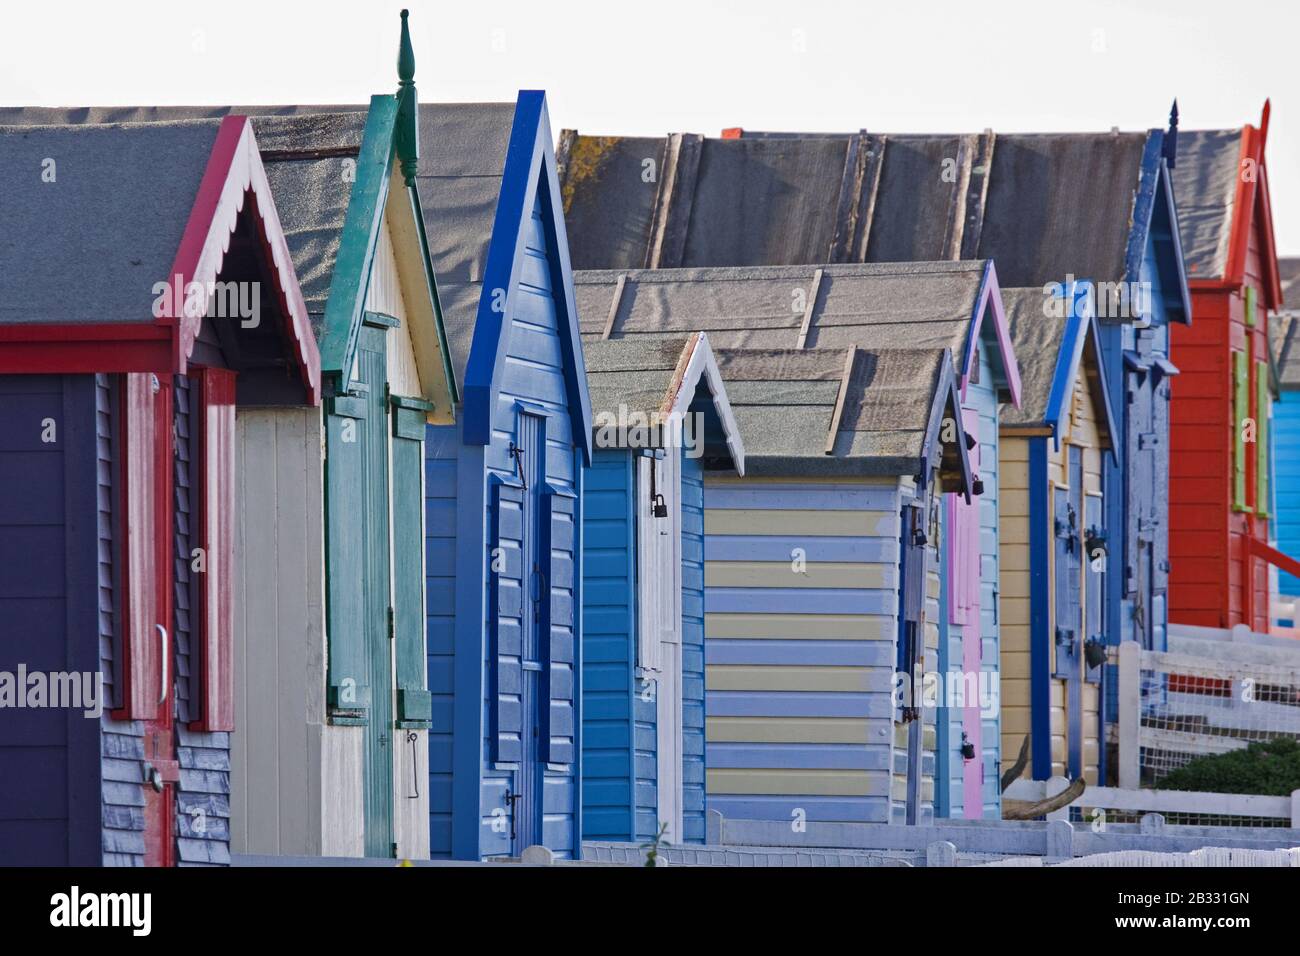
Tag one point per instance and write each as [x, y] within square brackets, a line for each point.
[1053, 540]
[879, 306]
[327, 586]
[1219, 485]
[661, 416]
[505, 490]
[148, 299]
[1047, 208]
[1285, 435]
[809, 610]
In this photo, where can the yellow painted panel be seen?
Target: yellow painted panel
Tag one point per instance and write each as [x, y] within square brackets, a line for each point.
[786, 730]
[830, 783]
[818, 627]
[1014, 666]
[782, 574]
[1012, 529]
[778, 521]
[1015, 611]
[789, 678]
[1014, 584]
[1013, 449]
[1013, 502]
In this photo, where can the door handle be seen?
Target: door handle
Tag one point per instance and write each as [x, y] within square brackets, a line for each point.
[162, 690]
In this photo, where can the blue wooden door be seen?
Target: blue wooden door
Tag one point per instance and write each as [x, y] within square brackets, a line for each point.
[1141, 443]
[528, 778]
[1067, 636]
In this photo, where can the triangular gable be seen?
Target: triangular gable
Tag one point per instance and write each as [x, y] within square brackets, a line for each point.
[698, 364]
[1253, 195]
[989, 324]
[952, 458]
[162, 343]
[529, 180]
[1080, 353]
[1155, 221]
[377, 197]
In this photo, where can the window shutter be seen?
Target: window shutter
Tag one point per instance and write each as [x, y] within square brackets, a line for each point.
[1263, 404]
[143, 455]
[557, 548]
[216, 704]
[1250, 307]
[1066, 638]
[964, 548]
[1095, 584]
[414, 702]
[1241, 411]
[345, 551]
[506, 622]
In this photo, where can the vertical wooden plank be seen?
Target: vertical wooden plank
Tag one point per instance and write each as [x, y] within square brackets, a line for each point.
[217, 454]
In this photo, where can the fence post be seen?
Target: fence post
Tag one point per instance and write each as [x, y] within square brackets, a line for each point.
[1054, 786]
[1130, 713]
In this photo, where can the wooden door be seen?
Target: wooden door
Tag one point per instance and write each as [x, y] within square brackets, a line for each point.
[527, 799]
[378, 654]
[147, 646]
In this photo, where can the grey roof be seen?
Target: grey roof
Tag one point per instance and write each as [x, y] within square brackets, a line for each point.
[634, 374]
[784, 401]
[89, 245]
[1289, 273]
[462, 157]
[1205, 185]
[1045, 206]
[1036, 334]
[1284, 331]
[783, 397]
[926, 305]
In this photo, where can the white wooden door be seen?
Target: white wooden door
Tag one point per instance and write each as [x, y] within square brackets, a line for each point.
[659, 646]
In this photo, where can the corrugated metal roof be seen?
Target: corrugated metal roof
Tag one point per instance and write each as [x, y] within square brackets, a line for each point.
[1205, 187]
[88, 246]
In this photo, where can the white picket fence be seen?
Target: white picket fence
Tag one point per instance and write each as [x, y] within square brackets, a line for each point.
[1212, 691]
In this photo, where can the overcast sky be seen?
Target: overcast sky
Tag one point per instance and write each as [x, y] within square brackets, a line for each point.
[636, 66]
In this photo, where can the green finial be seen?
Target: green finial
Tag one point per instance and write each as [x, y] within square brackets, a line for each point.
[408, 138]
[405, 55]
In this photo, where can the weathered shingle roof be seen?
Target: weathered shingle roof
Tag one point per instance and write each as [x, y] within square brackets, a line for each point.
[462, 155]
[1205, 182]
[899, 323]
[1037, 333]
[1284, 331]
[635, 375]
[926, 305]
[1289, 272]
[785, 401]
[88, 245]
[1045, 206]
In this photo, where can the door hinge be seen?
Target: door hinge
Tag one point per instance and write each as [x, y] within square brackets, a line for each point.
[392, 624]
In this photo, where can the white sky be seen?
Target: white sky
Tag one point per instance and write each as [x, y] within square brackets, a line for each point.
[655, 66]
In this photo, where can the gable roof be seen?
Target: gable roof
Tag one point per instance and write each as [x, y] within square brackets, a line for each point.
[847, 412]
[1044, 206]
[332, 170]
[131, 206]
[1218, 204]
[632, 379]
[1059, 341]
[527, 181]
[874, 306]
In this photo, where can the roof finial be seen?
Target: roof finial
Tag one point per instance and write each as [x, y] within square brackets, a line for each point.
[1171, 136]
[1263, 121]
[408, 136]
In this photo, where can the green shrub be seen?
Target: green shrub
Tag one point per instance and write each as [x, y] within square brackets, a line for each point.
[1267, 767]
